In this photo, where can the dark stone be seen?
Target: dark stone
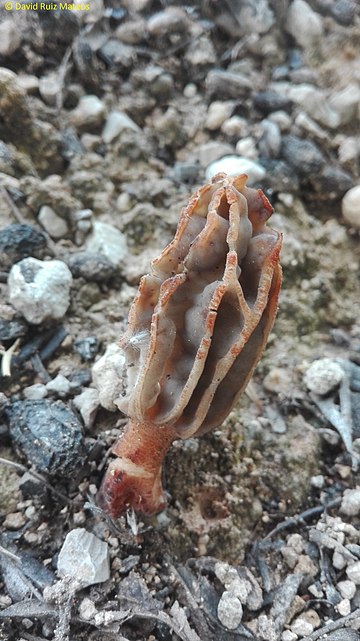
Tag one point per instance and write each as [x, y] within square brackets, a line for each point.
[87, 347]
[269, 101]
[19, 241]
[48, 433]
[80, 378]
[279, 176]
[343, 11]
[92, 267]
[302, 155]
[11, 329]
[332, 182]
[227, 84]
[33, 489]
[186, 172]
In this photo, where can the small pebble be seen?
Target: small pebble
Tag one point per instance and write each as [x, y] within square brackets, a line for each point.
[10, 37]
[287, 635]
[108, 241]
[347, 589]
[353, 572]
[91, 266]
[19, 241]
[350, 504]
[323, 376]
[318, 481]
[59, 385]
[246, 147]
[233, 165]
[14, 521]
[40, 290]
[304, 24]
[277, 380]
[350, 207]
[87, 609]
[87, 347]
[107, 374]
[229, 610]
[87, 403]
[344, 607]
[302, 155]
[35, 392]
[115, 123]
[339, 560]
[55, 226]
[301, 627]
[84, 557]
[218, 112]
[90, 112]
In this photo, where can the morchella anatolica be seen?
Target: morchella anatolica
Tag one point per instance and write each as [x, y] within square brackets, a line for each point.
[196, 330]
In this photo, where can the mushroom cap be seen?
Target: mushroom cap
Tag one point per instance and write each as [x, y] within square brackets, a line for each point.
[201, 318]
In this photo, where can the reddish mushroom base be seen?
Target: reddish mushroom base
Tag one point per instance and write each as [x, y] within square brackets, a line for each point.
[134, 478]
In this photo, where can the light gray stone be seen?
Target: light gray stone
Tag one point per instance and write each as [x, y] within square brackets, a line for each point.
[87, 403]
[107, 376]
[323, 376]
[353, 572]
[315, 103]
[10, 37]
[115, 123]
[301, 627]
[233, 165]
[350, 504]
[35, 392]
[40, 290]
[89, 112]
[84, 557]
[304, 24]
[55, 226]
[351, 207]
[218, 112]
[346, 102]
[213, 150]
[107, 241]
[246, 147]
[347, 589]
[229, 610]
[60, 385]
[49, 88]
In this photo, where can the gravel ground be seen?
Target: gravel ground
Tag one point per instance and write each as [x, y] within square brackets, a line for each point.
[111, 115]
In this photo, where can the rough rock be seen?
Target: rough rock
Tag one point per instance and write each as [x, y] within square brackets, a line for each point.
[323, 376]
[229, 610]
[87, 403]
[40, 290]
[84, 557]
[89, 113]
[19, 241]
[107, 375]
[48, 433]
[350, 504]
[108, 241]
[92, 267]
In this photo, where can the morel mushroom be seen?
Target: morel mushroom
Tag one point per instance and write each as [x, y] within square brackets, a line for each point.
[196, 330]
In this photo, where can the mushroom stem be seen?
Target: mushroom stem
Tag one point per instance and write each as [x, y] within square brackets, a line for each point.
[134, 478]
